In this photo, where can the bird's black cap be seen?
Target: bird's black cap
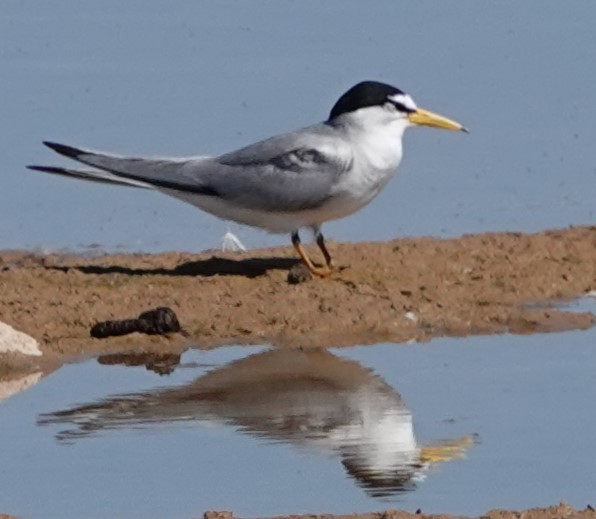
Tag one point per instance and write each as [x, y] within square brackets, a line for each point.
[366, 93]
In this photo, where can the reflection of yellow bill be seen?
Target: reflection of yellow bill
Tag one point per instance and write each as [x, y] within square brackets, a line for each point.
[455, 449]
[427, 118]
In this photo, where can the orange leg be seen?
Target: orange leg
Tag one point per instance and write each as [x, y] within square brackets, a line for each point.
[317, 271]
[323, 247]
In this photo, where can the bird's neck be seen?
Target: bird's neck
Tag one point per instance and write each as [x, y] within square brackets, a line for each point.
[382, 147]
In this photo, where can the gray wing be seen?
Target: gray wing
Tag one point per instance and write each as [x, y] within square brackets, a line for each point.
[290, 172]
[167, 173]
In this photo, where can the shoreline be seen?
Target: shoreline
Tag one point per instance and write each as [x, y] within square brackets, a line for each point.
[403, 290]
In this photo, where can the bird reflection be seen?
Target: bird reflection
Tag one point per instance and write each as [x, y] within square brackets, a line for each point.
[311, 399]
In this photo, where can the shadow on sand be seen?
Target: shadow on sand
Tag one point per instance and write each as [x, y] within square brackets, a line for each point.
[250, 268]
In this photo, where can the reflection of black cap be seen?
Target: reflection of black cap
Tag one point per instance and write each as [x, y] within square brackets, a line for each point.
[380, 484]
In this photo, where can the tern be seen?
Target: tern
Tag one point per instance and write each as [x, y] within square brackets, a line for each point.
[291, 181]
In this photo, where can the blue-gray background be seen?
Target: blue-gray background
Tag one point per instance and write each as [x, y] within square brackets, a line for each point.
[535, 445]
[190, 77]
[186, 77]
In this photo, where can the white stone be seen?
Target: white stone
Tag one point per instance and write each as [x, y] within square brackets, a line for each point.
[411, 316]
[13, 341]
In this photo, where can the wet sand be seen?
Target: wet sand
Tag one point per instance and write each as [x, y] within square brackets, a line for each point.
[397, 291]
[554, 512]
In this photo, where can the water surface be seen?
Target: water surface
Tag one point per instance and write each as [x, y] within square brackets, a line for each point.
[144, 77]
[457, 425]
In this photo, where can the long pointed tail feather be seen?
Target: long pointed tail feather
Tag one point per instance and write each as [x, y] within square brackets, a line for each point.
[92, 175]
[158, 173]
[63, 149]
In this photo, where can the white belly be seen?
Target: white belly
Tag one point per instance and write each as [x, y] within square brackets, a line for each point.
[275, 222]
[354, 191]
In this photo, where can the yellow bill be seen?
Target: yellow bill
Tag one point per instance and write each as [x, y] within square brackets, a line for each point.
[427, 118]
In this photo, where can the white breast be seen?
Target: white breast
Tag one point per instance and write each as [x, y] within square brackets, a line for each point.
[377, 155]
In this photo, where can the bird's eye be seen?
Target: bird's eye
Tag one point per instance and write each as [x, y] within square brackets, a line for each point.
[402, 108]
[389, 106]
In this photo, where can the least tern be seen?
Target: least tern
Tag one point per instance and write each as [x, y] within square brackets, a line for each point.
[291, 181]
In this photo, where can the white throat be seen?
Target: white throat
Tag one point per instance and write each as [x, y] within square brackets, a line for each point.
[381, 145]
[376, 141]
[376, 135]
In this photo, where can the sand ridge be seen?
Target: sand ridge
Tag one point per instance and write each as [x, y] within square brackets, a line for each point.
[397, 291]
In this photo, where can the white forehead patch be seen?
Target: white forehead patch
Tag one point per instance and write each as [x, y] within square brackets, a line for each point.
[404, 99]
